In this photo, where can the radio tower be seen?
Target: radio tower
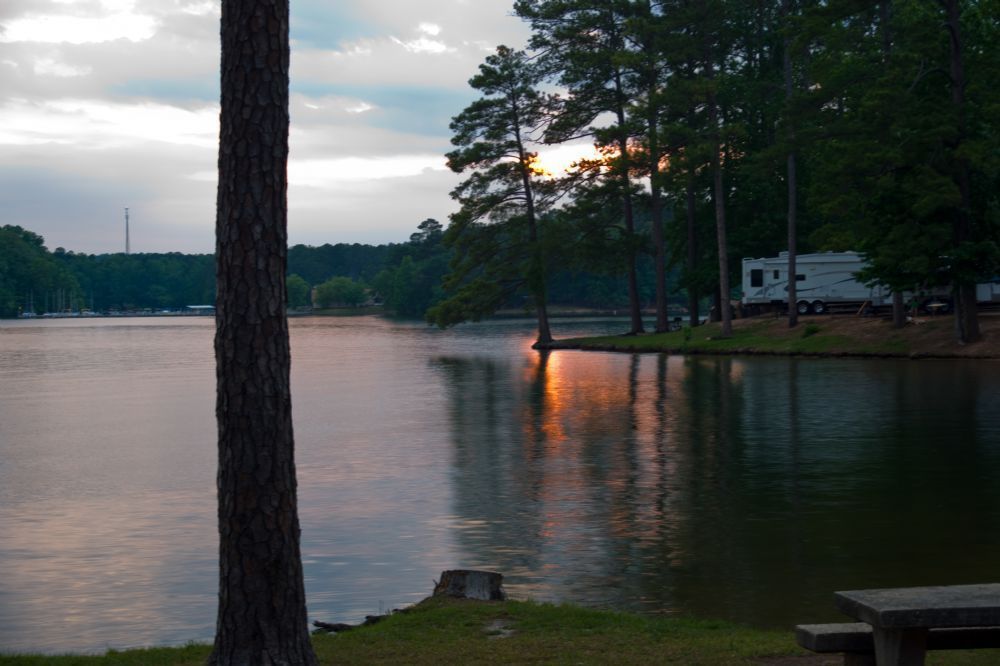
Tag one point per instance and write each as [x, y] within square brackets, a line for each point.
[127, 247]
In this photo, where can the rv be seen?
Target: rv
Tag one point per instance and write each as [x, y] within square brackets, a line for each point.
[822, 279]
[826, 279]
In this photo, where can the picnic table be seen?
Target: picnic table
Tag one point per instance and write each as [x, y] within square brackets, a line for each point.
[906, 622]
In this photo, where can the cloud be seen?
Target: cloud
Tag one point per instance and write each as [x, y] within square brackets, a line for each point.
[423, 45]
[114, 103]
[74, 29]
[98, 124]
[50, 67]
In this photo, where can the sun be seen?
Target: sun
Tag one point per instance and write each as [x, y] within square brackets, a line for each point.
[557, 161]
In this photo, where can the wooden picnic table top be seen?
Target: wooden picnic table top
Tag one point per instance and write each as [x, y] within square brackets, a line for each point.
[924, 607]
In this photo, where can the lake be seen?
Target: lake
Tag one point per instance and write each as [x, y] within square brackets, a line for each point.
[746, 489]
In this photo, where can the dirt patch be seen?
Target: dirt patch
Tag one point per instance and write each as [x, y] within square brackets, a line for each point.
[499, 628]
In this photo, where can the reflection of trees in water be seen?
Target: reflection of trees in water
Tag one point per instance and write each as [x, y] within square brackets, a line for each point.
[496, 521]
[844, 475]
[743, 489]
[560, 473]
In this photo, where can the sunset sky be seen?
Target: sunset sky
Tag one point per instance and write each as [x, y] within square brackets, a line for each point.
[112, 103]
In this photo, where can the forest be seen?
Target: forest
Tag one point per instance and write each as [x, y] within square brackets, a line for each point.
[406, 277]
[722, 130]
[33, 279]
[725, 130]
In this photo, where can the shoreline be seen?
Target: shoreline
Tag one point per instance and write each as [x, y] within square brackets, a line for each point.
[819, 336]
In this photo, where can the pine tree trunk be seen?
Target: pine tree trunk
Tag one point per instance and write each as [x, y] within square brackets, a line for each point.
[692, 256]
[964, 294]
[262, 612]
[793, 294]
[655, 201]
[634, 306]
[537, 277]
[792, 177]
[544, 331]
[898, 310]
[656, 213]
[725, 313]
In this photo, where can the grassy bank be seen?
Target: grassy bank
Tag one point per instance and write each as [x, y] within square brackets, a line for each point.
[464, 632]
[839, 335]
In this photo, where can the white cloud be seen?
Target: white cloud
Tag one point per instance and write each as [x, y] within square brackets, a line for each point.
[430, 29]
[423, 45]
[360, 107]
[201, 8]
[97, 124]
[50, 67]
[341, 171]
[56, 29]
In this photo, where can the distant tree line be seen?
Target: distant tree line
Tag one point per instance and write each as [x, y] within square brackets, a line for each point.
[406, 277]
[30, 276]
[729, 129]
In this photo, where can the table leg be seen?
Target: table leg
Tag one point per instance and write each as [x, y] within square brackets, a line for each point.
[900, 647]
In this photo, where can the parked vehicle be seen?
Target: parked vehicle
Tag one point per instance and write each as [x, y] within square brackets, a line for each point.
[821, 279]
[826, 279]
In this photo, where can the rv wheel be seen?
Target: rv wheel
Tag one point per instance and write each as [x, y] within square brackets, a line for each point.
[819, 307]
[802, 307]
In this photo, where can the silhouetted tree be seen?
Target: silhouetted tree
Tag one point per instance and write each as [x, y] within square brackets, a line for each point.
[499, 247]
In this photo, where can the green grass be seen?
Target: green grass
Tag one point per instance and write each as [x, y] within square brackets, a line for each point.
[516, 632]
[546, 634]
[752, 338]
[189, 655]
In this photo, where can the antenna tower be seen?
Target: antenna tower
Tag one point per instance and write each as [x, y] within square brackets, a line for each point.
[127, 247]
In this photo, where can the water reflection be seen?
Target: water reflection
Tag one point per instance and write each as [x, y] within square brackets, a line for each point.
[745, 489]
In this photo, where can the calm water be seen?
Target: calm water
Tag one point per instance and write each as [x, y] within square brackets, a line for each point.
[744, 489]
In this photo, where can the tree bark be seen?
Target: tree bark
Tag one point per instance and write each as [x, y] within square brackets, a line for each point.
[963, 292]
[792, 177]
[692, 254]
[634, 305]
[537, 279]
[262, 612]
[718, 193]
[651, 67]
[470, 584]
[898, 310]
[656, 215]
[725, 312]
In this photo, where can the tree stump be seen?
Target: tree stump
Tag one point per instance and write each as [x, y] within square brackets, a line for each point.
[469, 584]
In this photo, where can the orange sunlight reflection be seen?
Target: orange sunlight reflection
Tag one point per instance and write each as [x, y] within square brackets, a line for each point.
[641, 460]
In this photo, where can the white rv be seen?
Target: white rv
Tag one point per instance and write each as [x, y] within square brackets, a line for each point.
[988, 292]
[822, 279]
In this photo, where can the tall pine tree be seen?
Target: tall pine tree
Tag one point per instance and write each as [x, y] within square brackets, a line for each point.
[497, 236]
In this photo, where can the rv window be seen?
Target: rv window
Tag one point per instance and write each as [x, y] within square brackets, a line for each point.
[777, 274]
[756, 277]
[800, 278]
